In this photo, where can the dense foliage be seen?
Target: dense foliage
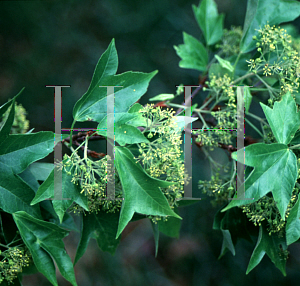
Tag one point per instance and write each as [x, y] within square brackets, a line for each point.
[149, 164]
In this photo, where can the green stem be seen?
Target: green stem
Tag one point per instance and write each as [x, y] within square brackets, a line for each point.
[257, 118]
[258, 89]
[211, 160]
[254, 127]
[270, 89]
[236, 61]
[207, 102]
[202, 111]
[245, 76]
[295, 146]
[75, 150]
[202, 119]
[216, 102]
[176, 105]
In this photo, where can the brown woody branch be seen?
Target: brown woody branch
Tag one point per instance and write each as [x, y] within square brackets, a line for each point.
[80, 137]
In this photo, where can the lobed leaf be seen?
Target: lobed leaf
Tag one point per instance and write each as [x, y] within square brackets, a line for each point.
[44, 240]
[192, 53]
[275, 170]
[18, 151]
[209, 21]
[141, 192]
[103, 227]
[272, 245]
[284, 119]
[132, 85]
[69, 192]
[293, 224]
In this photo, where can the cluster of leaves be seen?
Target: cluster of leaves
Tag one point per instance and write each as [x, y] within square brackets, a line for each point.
[148, 165]
[268, 197]
[144, 189]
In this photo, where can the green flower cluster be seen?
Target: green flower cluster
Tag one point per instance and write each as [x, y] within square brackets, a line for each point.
[265, 209]
[217, 188]
[277, 58]
[225, 119]
[268, 135]
[91, 176]
[14, 259]
[161, 158]
[212, 137]
[231, 41]
[222, 89]
[20, 124]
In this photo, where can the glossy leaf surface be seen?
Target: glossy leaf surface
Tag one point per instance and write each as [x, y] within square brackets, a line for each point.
[272, 245]
[132, 85]
[192, 53]
[284, 119]
[18, 151]
[142, 193]
[209, 21]
[103, 227]
[293, 224]
[44, 240]
[275, 170]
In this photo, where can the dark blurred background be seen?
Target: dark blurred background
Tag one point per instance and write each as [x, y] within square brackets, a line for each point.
[59, 43]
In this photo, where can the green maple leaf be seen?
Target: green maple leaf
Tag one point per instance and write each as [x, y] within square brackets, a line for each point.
[124, 132]
[102, 227]
[275, 170]
[141, 192]
[275, 166]
[44, 240]
[209, 21]
[293, 224]
[270, 245]
[93, 104]
[284, 119]
[70, 193]
[192, 53]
